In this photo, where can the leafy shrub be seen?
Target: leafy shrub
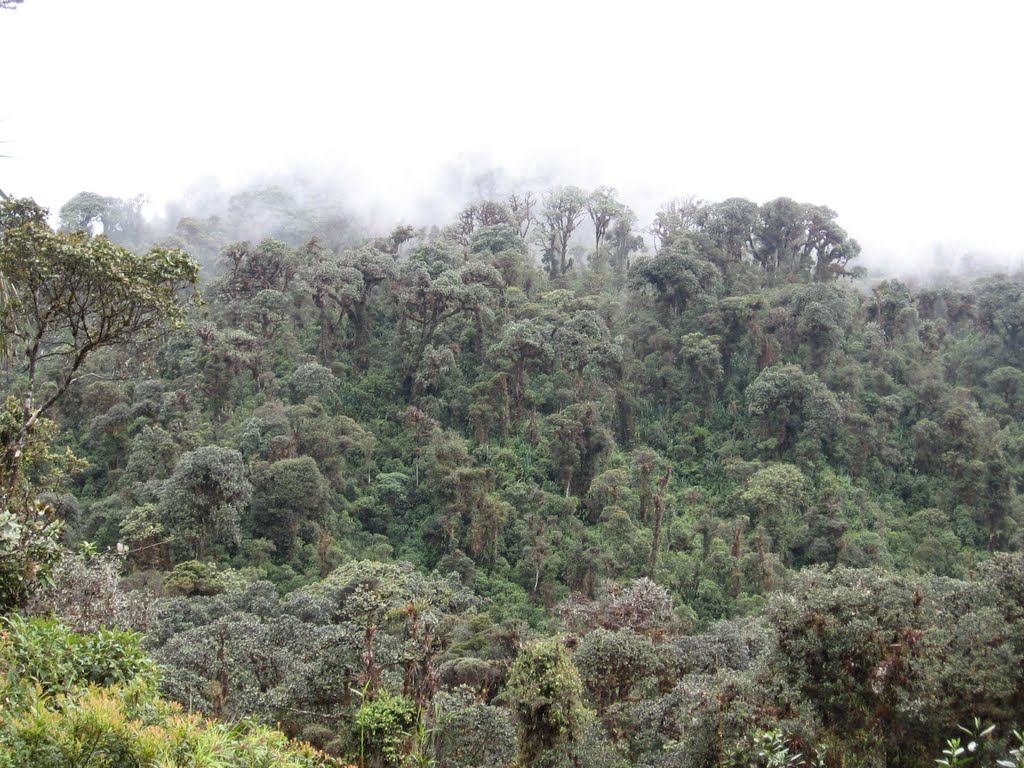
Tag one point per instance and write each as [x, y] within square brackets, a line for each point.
[129, 726]
[46, 654]
[57, 712]
[384, 724]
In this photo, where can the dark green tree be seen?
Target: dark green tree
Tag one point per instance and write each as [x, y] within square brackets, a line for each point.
[545, 692]
[678, 274]
[203, 499]
[289, 499]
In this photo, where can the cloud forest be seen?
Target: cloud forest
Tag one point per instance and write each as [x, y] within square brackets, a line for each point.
[541, 485]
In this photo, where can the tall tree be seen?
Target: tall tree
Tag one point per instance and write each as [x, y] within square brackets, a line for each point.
[374, 267]
[122, 220]
[63, 296]
[678, 274]
[435, 286]
[521, 207]
[675, 218]
[70, 295]
[781, 232]
[289, 496]
[204, 497]
[832, 248]
[562, 212]
[546, 694]
[604, 209]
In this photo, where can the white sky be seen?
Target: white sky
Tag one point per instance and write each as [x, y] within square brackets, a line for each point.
[906, 117]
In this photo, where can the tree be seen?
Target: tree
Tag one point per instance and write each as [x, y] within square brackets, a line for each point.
[645, 466]
[679, 274]
[578, 443]
[579, 340]
[546, 694]
[904, 658]
[29, 528]
[373, 267]
[495, 238]
[785, 403]
[270, 265]
[470, 733]
[833, 249]
[122, 220]
[435, 288]
[1001, 310]
[288, 496]
[675, 219]
[525, 344]
[204, 497]
[384, 724]
[819, 314]
[641, 606]
[611, 664]
[392, 244]
[84, 210]
[506, 251]
[659, 519]
[520, 206]
[781, 232]
[703, 361]
[623, 240]
[799, 240]
[732, 226]
[604, 210]
[561, 214]
[332, 284]
[313, 380]
[774, 497]
[70, 295]
[66, 296]
[1008, 383]
[335, 442]
[486, 213]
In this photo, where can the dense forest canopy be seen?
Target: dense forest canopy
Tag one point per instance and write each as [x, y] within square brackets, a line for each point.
[536, 486]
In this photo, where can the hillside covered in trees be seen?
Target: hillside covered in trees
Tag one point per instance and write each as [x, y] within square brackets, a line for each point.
[537, 487]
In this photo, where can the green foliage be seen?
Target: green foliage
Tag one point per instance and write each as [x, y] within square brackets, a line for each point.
[385, 724]
[545, 692]
[612, 664]
[45, 654]
[192, 578]
[289, 498]
[679, 276]
[29, 529]
[313, 380]
[713, 414]
[203, 498]
[469, 733]
[301, 660]
[1015, 758]
[129, 726]
[561, 214]
[901, 657]
[87, 594]
[775, 753]
[65, 297]
[981, 746]
[29, 546]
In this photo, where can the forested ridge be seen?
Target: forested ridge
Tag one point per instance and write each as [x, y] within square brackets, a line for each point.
[538, 486]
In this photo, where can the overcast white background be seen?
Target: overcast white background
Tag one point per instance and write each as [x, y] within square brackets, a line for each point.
[905, 117]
